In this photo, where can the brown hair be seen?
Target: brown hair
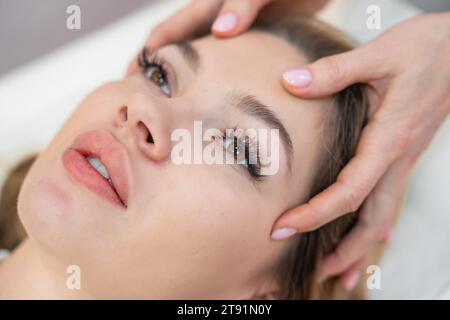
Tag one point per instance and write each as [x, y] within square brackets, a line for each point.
[11, 229]
[340, 134]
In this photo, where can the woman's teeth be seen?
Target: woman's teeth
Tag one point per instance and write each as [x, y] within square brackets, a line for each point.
[100, 167]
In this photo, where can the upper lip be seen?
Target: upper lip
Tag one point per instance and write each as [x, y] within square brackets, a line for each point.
[112, 154]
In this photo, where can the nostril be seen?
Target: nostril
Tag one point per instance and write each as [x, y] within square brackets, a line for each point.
[150, 138]
[146, 134]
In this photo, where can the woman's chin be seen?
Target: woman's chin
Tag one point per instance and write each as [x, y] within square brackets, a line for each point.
[54, 212]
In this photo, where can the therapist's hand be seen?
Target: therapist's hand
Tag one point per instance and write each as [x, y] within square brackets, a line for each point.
[225, 18]
[408, 71]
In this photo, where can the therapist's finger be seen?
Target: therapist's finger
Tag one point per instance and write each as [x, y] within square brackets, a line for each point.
[379, 146]
[375, 224]
[355, 246]
[184, 23]
[237, 16]
[331, 74]
[351, 277]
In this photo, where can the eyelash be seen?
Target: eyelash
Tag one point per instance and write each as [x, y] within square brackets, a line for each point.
[250, 152]
[149, 65]
[250, 146]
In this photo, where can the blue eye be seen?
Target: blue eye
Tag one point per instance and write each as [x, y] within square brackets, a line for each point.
[154, 71]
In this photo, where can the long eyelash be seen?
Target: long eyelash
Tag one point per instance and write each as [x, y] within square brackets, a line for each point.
[145, 60]
[251, 151]
[250, 145]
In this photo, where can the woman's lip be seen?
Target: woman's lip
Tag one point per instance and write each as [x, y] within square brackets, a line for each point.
[102, 145]
[79, 168]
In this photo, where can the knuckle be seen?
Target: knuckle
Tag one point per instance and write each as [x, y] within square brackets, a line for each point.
[314, 220]
[355, 196]
[332, 69]
[371, 233]
[353, 200]
[340, 260]
[401, 139]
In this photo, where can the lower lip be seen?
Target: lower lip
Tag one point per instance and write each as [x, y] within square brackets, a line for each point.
[79, 168]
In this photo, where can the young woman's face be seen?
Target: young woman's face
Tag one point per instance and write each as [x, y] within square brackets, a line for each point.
[184, 230]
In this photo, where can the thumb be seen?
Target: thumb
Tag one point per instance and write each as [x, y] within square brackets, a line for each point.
[237, 16]
[331, 74]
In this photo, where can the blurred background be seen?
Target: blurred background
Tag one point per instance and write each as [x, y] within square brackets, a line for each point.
[30, 28]
[46, 69]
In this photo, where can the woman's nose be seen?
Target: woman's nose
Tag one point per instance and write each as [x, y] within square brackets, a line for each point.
[148, 125]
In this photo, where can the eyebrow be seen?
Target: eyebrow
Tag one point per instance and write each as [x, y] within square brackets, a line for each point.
[244, 102]
[251, 106]
[189, 53]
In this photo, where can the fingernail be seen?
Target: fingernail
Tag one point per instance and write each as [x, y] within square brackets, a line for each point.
[351, 282]
[225, 22]
[299, 78]
[283, 233]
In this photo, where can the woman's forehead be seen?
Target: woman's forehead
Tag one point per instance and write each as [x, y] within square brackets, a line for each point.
[254, 55]
[254, 62]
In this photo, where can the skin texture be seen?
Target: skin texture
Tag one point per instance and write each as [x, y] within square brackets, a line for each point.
[408, 71]
[190, 231]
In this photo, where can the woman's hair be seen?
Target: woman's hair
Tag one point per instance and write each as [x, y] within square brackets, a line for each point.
[11, 229]
[339, 135]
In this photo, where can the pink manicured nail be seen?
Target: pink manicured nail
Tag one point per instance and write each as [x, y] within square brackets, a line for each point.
[351, 282]
[298, 78]
[283, 233]
[225, 22]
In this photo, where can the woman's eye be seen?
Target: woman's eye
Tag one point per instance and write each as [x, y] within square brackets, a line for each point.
[157, 74]
[154, 70]
[237, 149]
[241, 154]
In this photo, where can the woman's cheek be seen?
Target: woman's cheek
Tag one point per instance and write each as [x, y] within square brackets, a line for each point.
[204, 203]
